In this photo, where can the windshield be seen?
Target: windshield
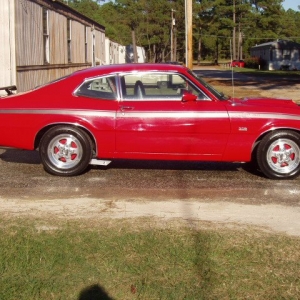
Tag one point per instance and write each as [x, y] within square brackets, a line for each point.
[216, 93]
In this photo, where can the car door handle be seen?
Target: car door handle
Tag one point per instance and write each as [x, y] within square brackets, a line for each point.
[123, 108]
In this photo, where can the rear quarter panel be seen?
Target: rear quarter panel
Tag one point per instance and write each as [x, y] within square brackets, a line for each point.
[23, 116]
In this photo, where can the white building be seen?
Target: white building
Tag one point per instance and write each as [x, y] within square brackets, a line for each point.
[119, 54]
[7, 49]
[278, 55]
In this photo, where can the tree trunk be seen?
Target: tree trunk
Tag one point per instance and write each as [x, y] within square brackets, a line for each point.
[199, 51]
[135, 56]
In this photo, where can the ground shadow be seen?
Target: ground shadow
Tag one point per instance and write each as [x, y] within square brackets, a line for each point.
[94, 292]
[32, 157]
[20, 156]
[170, 165]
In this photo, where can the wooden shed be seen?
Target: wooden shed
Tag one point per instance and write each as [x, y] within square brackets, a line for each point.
[45, 39]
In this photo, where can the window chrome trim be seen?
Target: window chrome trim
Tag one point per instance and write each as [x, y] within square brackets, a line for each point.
[99, 77]
[120, 74]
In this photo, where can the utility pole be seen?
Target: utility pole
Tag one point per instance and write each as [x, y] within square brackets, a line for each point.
[233, 34]
[188, 34]
[173, 56]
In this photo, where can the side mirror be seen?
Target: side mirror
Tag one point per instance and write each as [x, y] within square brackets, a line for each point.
[188, 97]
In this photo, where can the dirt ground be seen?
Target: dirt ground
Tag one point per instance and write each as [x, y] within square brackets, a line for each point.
[282, 90]
[198, 214]
[239, 84]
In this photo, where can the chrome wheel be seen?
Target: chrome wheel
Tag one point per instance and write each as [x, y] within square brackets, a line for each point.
[283, 156]
[278, 154]
[65, 151]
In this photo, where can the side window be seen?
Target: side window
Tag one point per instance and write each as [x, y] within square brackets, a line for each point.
[157, 86]
[101, 88]
[182, 84]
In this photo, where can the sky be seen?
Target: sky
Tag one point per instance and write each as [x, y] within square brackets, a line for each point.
[293, 4]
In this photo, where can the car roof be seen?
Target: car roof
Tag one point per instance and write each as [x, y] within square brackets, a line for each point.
[119, 68]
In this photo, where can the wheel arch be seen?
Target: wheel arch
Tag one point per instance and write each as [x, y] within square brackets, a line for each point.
[43, 130]
[260, 138]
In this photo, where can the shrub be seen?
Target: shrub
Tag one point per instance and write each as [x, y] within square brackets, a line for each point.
[255, 62]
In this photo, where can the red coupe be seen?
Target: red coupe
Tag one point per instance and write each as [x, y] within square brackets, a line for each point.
[149, 111]
[237, 63]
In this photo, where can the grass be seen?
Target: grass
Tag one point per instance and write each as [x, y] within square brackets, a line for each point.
[259, 72]
[294, 75]
[238, 92]
[136, 260]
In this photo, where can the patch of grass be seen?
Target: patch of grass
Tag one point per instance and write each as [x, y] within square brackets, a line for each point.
[237, 91]
[294, 75]
[128, 261]
[225, 86]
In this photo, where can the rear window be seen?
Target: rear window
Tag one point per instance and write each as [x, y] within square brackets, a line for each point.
[99, 88]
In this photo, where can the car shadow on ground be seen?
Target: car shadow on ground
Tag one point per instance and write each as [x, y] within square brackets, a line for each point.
[32, 157]
[172, 165]
[232, 167]
[20, 156]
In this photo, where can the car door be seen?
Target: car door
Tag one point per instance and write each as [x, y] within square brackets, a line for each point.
[153, 122]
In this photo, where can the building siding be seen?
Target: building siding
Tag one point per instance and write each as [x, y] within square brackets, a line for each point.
[29, 34]
[7, 38]
[42, 46]
[58, 38]
[35, 65]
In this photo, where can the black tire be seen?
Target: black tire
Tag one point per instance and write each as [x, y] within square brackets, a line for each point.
[65, 150]
[278, 155]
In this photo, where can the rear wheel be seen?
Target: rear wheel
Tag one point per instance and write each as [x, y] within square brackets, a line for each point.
[278, 155]
[65, 150]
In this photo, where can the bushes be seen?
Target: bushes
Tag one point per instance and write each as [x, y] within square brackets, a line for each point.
[255, 63]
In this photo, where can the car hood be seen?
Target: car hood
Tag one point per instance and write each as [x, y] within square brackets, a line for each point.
[265, 102]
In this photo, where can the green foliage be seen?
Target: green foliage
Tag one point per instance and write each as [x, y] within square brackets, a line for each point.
[214, 22]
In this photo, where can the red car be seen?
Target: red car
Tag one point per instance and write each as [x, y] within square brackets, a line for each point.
[149, 111]
[237, 63]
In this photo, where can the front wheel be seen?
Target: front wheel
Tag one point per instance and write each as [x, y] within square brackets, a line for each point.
[278, 155]
[65, 150]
